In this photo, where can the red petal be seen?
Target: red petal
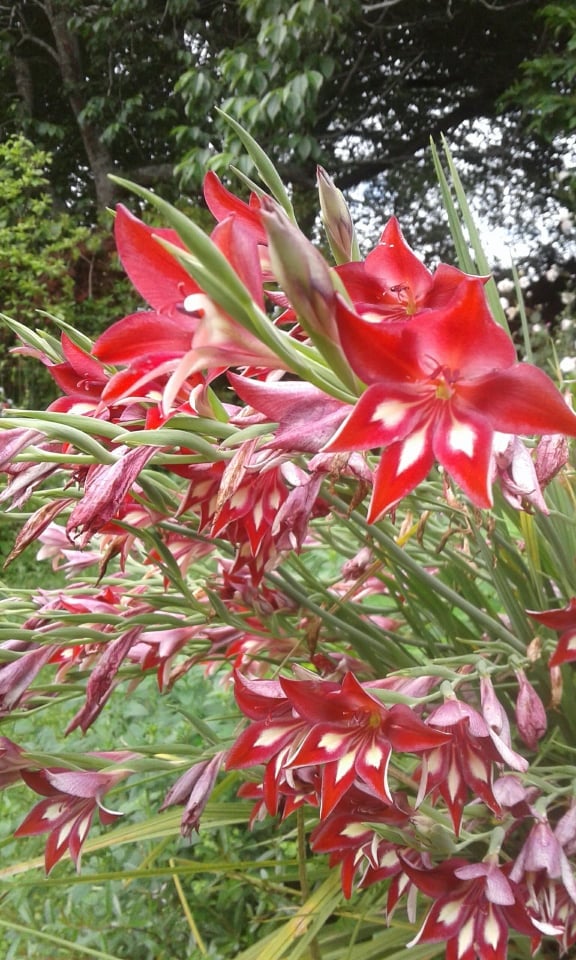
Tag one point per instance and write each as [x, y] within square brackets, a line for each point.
[237, 242]
[565, 651]
[396, 265]
[438, 882]
[445, 920]
[445, 282]
[385, 413]
[521, 399]
[372, 766]
[462, 337]
[311, 699]
[221, 204]
[258, 698]
[156, 274]
[326, 743]
[363, 289]
[337, 778]
[70, 383]
[402, 467]
[463, 445]
[140, 379]
[377, 351]
[260, 742]
[49, 814]
[144, 334]
[407, 733]
[84, 365]
[561, 618]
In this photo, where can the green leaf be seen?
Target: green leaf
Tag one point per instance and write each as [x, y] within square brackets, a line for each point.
[300, 930]
[263, 164]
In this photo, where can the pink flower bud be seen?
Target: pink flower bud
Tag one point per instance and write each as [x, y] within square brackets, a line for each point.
[551, 456]
[530, 713]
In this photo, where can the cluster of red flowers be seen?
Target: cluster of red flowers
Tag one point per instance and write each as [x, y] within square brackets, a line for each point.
[334, 745]
[401, 360]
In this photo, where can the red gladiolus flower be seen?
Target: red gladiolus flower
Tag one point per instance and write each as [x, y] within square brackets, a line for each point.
[72, 798]
[185, 332]
[393, 284]
[475, 907]
[348, 836]
[439, 385]
[562, 619]
[467, 762]
[353, 735]
[341, 728]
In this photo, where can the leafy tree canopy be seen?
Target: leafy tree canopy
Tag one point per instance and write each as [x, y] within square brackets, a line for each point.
[133, 87]
[133, 84]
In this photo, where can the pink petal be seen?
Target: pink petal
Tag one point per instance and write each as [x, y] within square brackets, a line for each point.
[105, 489]
[307, 417]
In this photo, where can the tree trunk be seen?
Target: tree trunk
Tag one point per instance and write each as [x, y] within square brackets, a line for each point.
[69, 62]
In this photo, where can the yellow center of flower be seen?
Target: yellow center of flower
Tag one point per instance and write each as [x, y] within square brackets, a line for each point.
[405, 297]
[443, 390]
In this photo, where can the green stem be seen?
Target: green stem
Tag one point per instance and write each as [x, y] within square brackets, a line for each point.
[314, 950]
[71, 948]
[410, 565]
[360, 637]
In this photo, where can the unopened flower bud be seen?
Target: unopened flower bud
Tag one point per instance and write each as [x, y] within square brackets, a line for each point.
[530, 713]
[556, 686]
[551, 456]
[337, 220]
[534, 649]
[301, 271]
[193, 789]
